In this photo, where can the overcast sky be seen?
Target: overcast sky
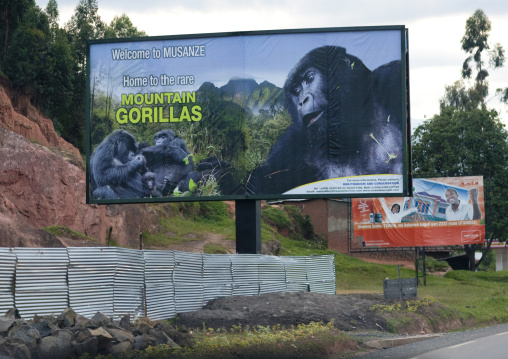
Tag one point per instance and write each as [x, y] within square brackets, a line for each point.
[435, 30]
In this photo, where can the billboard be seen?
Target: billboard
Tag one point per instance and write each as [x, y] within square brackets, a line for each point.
[442, 211]
[259, 115]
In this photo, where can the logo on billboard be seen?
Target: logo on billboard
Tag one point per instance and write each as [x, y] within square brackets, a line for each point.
[470, 236]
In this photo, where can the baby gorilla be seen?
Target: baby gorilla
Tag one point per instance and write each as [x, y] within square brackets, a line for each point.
[149, 188]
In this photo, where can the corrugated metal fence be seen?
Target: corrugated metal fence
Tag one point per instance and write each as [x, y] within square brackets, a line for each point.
[158, 284]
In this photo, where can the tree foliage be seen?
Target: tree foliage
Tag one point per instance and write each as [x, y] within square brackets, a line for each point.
[466, 138]
[120, 27]
[467, 143]
[482, 57]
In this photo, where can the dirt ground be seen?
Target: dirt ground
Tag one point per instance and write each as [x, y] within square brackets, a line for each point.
[348, 312]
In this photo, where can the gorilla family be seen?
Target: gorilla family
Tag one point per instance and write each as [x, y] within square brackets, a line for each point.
[346, 121]
[122, 168]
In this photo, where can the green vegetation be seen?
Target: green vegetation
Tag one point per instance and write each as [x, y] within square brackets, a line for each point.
[67, 232]
[215, 249]
[314, 340]
[433, 265]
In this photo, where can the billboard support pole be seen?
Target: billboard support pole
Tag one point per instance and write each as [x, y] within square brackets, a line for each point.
[248, 226]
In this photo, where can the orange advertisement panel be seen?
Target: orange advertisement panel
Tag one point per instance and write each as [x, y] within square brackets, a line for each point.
[442, 211]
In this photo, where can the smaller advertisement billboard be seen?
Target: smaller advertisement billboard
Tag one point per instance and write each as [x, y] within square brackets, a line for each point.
[442, 211]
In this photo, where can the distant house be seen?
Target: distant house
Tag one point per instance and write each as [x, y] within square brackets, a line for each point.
[431, 206]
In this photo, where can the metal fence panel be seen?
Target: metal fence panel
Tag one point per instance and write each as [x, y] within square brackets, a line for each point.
[212, 291]
[188, 297]
[321, 273]
[159, 267]
[118, 281]
[128, 294]
[41, 281]
[7, 271]
[245, 268]
[217, 269]
[188, 268]
[296, 271]
[160, 290]
[91, 276]
[160, 301]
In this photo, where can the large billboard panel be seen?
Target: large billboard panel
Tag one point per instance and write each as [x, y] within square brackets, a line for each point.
[442, 211]
[260, 115]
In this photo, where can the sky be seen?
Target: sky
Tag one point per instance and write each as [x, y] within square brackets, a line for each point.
[435, 30]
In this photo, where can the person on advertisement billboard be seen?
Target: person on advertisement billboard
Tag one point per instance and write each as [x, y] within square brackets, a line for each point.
[459, 211]
[394, 215]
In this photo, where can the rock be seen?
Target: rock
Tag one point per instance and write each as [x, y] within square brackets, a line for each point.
[104, 339]
[57, 346]
[45, 328]
[12, 313]
[40, 188]
[180, 336]
[162, 338]
[82, 334]
[144, 328]
[67, 318]
[24, 334]
[120, 348]
[125, 323]
[81, 321]
[144, 341]
[89, 345]
[101, 333]
[5, 325]
[121, 335]
[100, 320]
[12, 350]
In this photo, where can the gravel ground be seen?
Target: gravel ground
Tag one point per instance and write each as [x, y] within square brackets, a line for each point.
[348, 312]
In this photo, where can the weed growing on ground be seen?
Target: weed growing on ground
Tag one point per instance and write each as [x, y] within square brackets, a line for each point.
[408, 305]
[313, 340]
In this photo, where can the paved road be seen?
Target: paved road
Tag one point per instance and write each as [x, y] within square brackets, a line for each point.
[491, 343]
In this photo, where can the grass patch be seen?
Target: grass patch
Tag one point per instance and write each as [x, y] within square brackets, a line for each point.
[478, 297]
[61, 231]
[211, 248]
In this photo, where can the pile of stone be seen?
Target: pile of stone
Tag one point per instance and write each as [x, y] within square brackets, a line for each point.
[70, 335]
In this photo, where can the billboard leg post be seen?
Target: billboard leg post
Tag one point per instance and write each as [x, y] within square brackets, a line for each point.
[248, 226]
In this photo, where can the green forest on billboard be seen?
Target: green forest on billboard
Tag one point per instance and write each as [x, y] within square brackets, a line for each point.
[238, 126]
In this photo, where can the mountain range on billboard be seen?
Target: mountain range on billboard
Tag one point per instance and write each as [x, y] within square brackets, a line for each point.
[248, 93]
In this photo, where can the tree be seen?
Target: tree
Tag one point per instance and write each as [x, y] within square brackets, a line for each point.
[85, 24]
[466, 143]
[122, 27]
[475, 44]
[39, 62]
[53, 16]
[466, 138]
[11, 13]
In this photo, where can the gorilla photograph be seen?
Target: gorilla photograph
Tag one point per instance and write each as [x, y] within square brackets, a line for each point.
[273, 114]
[346, 121]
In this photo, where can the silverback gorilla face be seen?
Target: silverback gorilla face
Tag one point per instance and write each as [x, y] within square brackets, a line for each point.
[308, 96]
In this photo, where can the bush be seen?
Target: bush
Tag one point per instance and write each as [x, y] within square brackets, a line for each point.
[276, 217]
[433, 265]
